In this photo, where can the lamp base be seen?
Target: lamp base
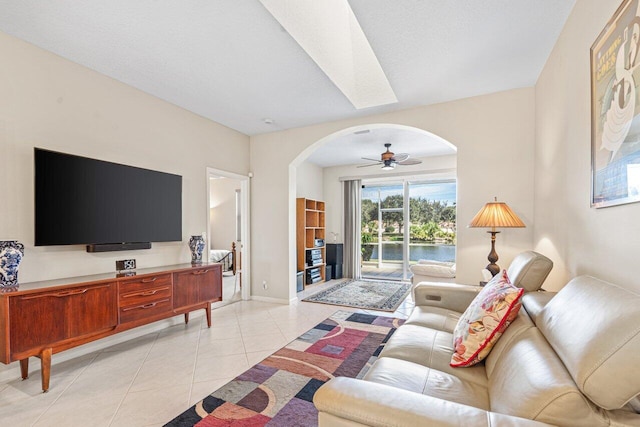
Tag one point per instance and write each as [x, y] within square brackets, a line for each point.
[493, 255]
[493, 268]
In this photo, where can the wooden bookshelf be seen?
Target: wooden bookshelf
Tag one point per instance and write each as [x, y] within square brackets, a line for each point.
[310, 225]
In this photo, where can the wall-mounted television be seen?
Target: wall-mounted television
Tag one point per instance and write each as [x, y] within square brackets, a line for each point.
[104, 205]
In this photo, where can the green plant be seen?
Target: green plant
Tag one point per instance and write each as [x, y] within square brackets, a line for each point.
[366, 249]
[425, 232]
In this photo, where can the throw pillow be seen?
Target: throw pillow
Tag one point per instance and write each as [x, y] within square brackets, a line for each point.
[484, 321]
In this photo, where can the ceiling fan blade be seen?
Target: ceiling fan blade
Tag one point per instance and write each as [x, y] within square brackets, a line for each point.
[366, 166]
[373, 160]
[400, 157]
[410, 162]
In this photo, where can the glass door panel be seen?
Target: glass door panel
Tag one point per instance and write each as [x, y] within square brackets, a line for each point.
[432, 207]
[383, 232]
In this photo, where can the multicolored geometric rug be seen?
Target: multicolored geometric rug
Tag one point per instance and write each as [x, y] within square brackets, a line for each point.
[365, 294]
[279, 390]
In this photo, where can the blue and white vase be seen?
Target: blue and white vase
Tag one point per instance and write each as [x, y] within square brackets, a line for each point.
[11, 253]
[196, 244]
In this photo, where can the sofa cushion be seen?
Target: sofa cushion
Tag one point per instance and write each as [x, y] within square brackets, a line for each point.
[594, 327]
[431, 382]
[520, 324]
[529, 381]
[481, 325]
[430, 348]
[529, 269]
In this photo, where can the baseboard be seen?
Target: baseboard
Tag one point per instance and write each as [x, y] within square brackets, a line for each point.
[269, 299]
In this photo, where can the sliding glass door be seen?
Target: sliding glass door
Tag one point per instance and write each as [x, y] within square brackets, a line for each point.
[403, 222]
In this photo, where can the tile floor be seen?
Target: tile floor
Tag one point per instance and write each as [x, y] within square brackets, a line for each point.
[147, 376]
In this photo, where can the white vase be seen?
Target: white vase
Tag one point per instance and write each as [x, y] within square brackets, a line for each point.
[11, 253]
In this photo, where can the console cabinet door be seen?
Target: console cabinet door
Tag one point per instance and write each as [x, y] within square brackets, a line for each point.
[197, 286]
[44, 318]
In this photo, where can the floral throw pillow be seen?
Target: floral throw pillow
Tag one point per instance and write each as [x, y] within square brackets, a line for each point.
[484, 321]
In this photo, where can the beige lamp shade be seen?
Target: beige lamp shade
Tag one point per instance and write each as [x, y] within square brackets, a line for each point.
[496, 214]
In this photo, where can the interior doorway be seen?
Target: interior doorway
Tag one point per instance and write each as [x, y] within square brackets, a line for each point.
[228, 231]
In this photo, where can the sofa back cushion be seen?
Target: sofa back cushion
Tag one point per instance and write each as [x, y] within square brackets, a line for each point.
[528, 380]
[594, 327]
[528, 270]
[518, 326]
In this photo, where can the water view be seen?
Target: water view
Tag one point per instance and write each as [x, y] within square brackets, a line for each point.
[393, 252]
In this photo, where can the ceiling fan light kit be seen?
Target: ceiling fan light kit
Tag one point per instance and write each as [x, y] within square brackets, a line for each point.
[389, 160]
[388, 165]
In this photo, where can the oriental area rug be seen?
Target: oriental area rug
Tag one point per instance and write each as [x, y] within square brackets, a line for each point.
[365, 294]
[279, 390]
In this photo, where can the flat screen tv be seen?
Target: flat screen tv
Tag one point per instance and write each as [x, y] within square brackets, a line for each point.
[103, 205]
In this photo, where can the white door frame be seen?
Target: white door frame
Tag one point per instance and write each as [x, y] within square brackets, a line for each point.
[245, 232]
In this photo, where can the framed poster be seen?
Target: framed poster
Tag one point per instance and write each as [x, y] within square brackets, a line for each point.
[615, 109]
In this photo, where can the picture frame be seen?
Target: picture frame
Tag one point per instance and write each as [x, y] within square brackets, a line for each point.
[615, 109]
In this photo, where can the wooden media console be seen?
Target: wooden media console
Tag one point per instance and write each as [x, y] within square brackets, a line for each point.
[43, 318]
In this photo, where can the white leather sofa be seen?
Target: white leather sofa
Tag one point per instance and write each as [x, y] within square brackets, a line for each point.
[572, 359]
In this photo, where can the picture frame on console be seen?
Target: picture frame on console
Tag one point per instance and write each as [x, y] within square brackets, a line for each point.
[615, 109]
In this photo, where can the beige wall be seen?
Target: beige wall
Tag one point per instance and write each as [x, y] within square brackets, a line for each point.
[494, 135]
[49, 102]
[223, 212]
[309, 181]
[580, 239]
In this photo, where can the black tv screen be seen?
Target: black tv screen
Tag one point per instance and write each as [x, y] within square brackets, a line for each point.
[85, 201]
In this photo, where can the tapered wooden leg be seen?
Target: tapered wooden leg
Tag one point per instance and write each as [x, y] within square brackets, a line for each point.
[186, 318]
[208, 311]
[45, 360]
[24, 368]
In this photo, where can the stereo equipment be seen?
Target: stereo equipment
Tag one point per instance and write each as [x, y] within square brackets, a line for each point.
[318, 243]
[314, 257]
[336, 271]
[315, 252]
[334, 253]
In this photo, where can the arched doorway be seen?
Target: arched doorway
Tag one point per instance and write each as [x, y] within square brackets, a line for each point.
[438, 158]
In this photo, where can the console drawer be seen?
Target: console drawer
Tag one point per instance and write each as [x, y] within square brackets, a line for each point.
[144, 283]
[144, 310]
[145, 296]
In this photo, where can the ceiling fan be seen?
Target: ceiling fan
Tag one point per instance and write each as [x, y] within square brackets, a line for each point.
[389, 160]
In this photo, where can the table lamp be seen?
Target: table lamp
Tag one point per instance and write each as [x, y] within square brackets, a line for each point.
[495, 214]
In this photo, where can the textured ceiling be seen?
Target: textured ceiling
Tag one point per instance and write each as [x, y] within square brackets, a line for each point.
[230, 60]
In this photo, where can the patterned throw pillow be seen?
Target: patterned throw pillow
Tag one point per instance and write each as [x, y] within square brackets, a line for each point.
[484, 321]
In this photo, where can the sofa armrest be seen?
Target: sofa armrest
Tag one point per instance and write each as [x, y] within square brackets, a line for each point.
[451, 296]
[360, 402]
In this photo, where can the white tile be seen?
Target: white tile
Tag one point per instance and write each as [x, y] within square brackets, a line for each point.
[258, 328]
[254, 358]
[264, 342]
[202, 389]
[217, 347]
[221, 333]
[158, 406]
[216, 367]
[160, 373]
